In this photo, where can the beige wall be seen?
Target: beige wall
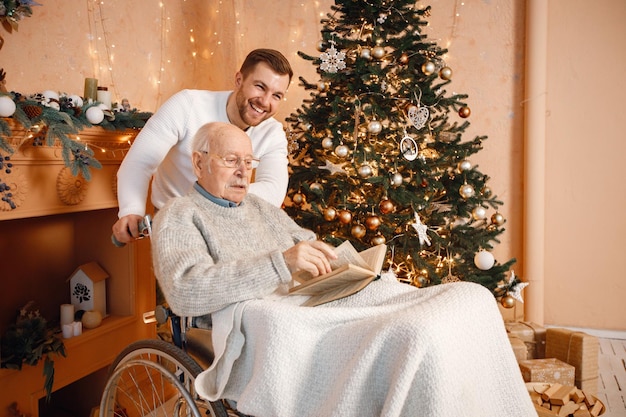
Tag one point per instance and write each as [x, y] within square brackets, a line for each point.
[146, 52]
[585, 153]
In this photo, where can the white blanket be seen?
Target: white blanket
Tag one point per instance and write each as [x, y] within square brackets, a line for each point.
[390, 350]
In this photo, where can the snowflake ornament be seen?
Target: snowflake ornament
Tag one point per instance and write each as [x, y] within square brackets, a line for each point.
[332, 60]
[421, 229]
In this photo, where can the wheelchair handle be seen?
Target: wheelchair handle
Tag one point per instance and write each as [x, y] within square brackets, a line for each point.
[145, 229]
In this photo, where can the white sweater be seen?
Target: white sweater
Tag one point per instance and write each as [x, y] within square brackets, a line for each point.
[163, 149]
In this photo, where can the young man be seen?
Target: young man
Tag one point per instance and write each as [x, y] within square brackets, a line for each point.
[388, 350]
[162, 150]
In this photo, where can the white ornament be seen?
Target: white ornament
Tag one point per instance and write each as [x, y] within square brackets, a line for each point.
[7, 106]
[396, 179]
[374, 127]
[466, 191]
[418, 116]
[421, 229]
[479, 213]
[408, 147]
[516, 291]
[484, 260]
[76, 100]
[465, 165]
[327, 143]
[332, 60]
[95, 115]
[341, 151]
[366, 53]
[365, 171]
[50, 95]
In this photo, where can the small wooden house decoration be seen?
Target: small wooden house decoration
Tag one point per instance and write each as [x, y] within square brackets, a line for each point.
[88, 289]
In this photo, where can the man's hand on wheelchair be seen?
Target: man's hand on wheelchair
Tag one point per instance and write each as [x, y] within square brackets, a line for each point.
[130, 228]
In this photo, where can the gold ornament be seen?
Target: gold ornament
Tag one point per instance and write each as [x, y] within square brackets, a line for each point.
[378, 52]
[372, 222]
[298, 198]
[486, 192]
[358, 231]
[507, 301]
[330, 214]
[497, 219]
[327, 143]
[378, 240]
[366, 53]
[465, 112]
[345, 216]
[322, 86]
[428, 67]
[445, 73]
[386, 206]
[404, 58]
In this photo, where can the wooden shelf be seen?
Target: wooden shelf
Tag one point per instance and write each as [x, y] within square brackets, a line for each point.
[46, 237]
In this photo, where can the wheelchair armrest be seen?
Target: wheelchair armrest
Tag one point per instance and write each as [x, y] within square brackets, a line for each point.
[199, 345]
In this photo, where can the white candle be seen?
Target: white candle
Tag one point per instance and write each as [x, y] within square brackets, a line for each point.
[77, 328]
[67, 313]
[104, 97]
[68, 330]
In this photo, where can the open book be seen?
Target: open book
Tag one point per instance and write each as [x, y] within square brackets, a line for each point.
[351, 272]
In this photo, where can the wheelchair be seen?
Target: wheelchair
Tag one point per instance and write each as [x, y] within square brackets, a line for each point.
[155, 377]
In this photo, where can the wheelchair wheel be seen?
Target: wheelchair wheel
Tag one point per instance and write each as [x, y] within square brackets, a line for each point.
[155, 378]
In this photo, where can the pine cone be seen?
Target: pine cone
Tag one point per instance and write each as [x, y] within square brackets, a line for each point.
[32, 111]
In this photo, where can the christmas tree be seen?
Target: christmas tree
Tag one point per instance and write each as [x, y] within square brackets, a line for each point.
[378, 154]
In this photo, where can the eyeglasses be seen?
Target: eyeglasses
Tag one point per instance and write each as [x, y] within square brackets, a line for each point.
[233, 161]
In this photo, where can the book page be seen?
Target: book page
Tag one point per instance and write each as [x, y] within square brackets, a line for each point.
[341, 276]
[346, 254]
[374, 257]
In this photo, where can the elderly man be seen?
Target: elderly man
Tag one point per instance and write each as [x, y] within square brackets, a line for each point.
[388, 350]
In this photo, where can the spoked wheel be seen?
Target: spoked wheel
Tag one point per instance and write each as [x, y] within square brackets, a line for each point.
[155, 378]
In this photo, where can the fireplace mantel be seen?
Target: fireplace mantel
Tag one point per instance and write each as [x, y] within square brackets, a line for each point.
[60, 222]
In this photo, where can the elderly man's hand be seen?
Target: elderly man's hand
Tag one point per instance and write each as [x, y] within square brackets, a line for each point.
[308, 256]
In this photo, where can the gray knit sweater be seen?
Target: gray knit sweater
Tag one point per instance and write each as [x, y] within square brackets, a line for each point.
[207, 256]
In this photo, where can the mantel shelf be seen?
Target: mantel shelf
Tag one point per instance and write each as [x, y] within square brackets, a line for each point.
[41, 184]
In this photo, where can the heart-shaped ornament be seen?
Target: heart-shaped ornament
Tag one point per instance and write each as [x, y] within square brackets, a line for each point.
[418, 116]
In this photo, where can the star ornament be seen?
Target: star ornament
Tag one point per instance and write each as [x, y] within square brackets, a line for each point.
[333, 168]
[421, 229]
[516, 291]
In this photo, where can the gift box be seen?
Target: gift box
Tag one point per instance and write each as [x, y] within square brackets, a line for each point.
[532, 334]
[519, 348]
[549, 370]
[578, 349]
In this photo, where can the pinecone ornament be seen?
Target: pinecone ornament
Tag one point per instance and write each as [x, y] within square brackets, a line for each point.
[32, 111]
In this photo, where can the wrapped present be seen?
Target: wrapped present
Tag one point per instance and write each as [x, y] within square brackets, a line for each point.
[578, 349]
[549, 370]
[530, 333]
[519, 348]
